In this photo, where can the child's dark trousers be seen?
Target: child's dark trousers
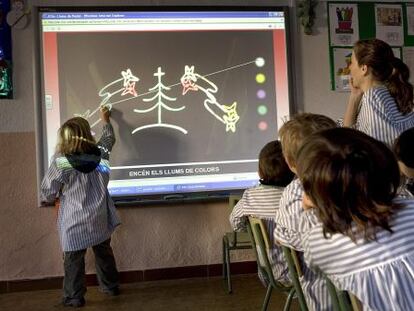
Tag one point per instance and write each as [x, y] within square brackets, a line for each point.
[74, 263]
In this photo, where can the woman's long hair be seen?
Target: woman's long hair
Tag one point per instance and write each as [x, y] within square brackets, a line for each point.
[388, 69]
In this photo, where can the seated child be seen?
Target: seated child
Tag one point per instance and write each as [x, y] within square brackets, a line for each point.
[288, 216]
[404, 151]
[365, 240]
[263, 201]
[291, 221]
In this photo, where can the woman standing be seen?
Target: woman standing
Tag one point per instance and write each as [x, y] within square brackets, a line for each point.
[381, 101]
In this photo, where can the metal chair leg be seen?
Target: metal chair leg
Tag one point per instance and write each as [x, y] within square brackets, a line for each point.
[267, 297]
[229, 286]
[289, 300]
[224, 259]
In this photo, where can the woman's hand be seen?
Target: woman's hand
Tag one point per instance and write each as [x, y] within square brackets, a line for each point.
[356, 92]
[353, 105]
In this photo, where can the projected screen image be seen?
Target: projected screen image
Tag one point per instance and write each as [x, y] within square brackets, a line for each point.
[193, 95]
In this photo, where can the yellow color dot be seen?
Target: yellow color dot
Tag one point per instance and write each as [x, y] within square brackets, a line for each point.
[260, 78]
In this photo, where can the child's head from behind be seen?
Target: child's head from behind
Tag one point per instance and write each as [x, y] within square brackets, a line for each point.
[297, 129]
[404, 151]
[273, 169]
[351, 179]
[75, 137]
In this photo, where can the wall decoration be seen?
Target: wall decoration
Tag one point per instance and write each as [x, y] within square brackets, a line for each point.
[343, 22]
[342, 60]
[358, 20]
[389, 24]
[6, 85]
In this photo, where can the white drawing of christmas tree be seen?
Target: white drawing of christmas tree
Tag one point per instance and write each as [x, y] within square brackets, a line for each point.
[160, 97]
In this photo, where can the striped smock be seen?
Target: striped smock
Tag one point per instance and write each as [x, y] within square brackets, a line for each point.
[379, 117]
[291, 219]
[262, 201]
[292, 224]
[380, 273]
[87, 214]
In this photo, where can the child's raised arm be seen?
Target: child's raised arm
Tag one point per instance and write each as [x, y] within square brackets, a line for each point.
[107, 140]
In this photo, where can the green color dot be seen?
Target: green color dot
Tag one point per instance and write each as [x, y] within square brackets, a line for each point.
[262, 110]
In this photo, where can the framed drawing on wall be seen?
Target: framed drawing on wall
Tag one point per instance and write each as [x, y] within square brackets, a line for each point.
[341, 61]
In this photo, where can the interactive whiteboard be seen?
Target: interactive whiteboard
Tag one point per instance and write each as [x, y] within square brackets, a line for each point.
[195, 92]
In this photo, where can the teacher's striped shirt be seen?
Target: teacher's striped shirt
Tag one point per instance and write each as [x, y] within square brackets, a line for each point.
[379, 117]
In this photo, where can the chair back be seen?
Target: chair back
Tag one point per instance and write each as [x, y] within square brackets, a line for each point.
[356, 304]
[342, 300]
[233, 199]
[295, 271]
[261, 245]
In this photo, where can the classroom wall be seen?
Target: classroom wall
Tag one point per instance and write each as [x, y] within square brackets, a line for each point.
[150, 237]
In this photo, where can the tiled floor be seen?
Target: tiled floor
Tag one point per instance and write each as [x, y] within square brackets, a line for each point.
[189, 294]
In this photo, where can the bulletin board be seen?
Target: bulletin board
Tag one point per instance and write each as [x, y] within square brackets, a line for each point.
[348, 22]
[6, 89]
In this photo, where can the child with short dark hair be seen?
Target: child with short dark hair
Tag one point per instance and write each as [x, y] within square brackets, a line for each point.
[365, 240]
[404, 151]
[78, 176]
[263, 200]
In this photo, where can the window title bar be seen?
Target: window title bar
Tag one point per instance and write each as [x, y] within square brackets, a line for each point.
[151, 15]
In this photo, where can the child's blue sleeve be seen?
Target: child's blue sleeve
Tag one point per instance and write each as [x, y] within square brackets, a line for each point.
[107, 140]
[52, 183]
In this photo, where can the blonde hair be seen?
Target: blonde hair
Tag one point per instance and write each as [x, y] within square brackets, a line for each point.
[297, 129]
[75, 136]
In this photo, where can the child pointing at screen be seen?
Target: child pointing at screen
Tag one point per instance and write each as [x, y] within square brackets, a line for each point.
[78, 176]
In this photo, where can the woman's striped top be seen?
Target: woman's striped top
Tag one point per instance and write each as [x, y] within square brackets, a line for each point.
[87, 214]
[380, 273]
[379, 117]
[262, 201]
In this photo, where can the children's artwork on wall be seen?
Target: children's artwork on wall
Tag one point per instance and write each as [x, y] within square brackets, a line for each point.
[6, 89]
[410, 20]
[343, 21]
[342, 61]
[389, 23]
[408, 59]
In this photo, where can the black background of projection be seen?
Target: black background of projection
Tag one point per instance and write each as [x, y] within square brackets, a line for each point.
[89, 61]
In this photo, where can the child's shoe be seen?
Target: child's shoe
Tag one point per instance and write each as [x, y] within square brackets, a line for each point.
[111, 292]
[73, 302]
